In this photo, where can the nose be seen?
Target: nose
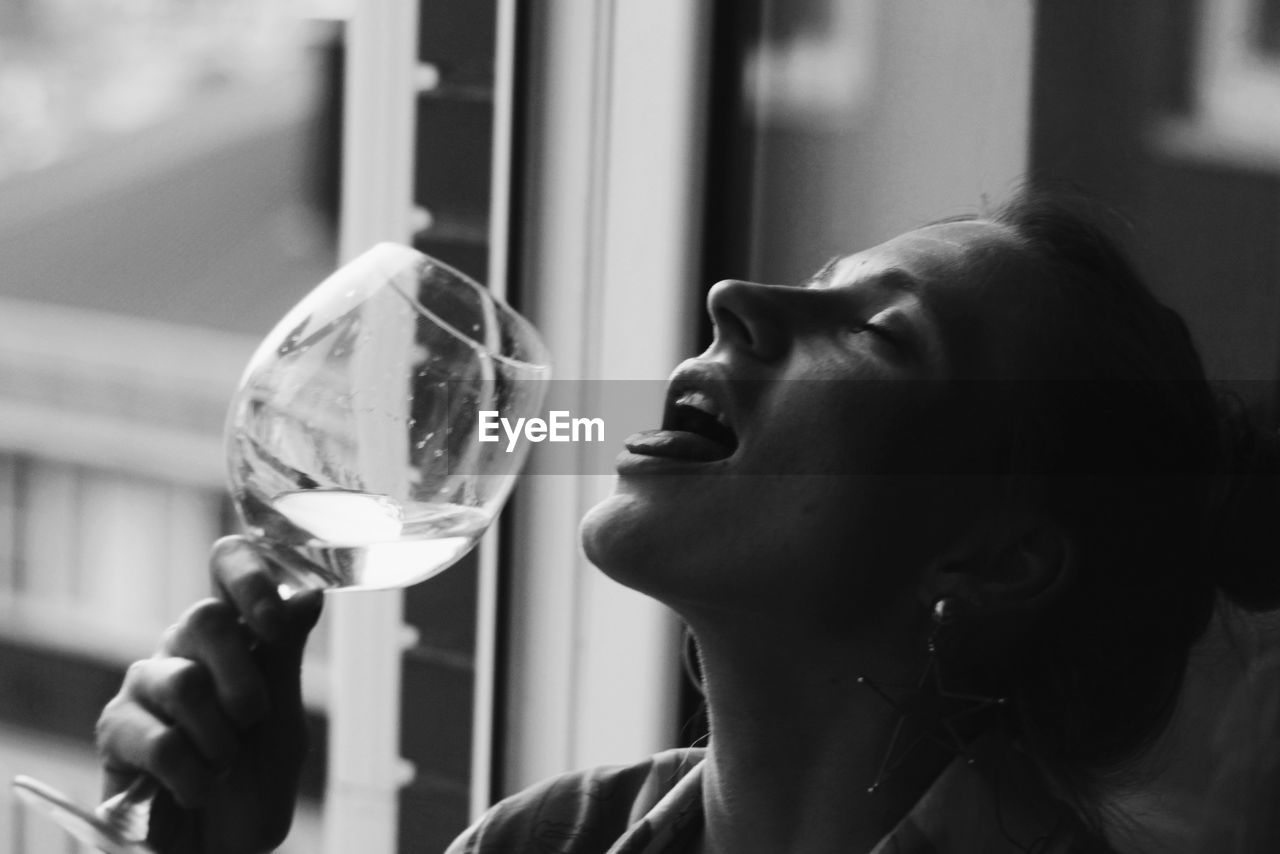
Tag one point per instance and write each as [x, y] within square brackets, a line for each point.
[751, 317]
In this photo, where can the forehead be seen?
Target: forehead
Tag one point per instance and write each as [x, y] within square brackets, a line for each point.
[936, 256]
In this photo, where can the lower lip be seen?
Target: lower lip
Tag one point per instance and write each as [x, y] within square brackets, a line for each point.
[668, 449]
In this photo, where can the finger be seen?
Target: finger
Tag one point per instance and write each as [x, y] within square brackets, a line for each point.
[282, 660]
[242, 577]
[168, 829]
[133, 741]
[210, 633]
[180, 692]
[108, 733]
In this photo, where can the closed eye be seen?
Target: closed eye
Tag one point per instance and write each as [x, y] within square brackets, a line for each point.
[877, 329]
[874, 328]
[898, 339]
[853, 333]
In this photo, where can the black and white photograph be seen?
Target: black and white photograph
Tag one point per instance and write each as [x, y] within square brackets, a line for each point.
[639, 426]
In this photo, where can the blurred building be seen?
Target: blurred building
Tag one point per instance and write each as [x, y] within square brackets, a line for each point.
[160, 168]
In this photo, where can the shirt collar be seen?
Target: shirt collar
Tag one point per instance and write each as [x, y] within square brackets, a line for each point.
[993, 800]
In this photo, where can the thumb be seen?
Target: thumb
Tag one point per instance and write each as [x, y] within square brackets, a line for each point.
[281, 659]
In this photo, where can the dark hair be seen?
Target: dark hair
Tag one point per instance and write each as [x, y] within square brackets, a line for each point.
[1164, 487]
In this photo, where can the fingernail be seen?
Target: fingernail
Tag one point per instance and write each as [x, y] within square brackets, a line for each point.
[266, 618]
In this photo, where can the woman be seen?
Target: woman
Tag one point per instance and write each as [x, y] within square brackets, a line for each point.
[944, 522]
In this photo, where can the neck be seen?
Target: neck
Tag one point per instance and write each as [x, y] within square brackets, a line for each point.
[797, 740]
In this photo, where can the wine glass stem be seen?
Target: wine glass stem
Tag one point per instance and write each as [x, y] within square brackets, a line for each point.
[129, 811]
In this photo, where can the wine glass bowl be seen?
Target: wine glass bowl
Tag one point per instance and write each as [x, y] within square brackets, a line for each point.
[353, 441]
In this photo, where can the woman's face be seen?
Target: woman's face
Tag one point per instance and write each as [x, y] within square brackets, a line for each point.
[809, 460]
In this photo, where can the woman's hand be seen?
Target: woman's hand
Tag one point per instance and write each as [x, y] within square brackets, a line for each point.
[215, 716]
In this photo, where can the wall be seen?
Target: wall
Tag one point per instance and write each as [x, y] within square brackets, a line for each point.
[1205, 218]
[928, 118]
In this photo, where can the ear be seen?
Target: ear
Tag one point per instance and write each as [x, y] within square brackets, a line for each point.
[1012, 568]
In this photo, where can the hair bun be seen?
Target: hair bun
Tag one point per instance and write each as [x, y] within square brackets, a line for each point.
[1244, 549]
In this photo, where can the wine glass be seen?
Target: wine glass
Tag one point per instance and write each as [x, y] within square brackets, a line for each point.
[355, 452]
[354, 442]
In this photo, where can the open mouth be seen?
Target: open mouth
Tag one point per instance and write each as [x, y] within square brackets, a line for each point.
[694, 428]
[695, 412]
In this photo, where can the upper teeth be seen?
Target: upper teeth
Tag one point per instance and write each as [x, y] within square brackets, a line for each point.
[699, 401]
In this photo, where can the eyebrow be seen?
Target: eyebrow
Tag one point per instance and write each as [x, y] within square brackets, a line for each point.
[894, 279]
[823, 276]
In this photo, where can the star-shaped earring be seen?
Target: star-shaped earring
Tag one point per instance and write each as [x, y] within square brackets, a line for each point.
[928, 711]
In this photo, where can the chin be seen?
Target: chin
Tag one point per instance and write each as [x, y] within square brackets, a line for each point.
[623, 539]
[604, 532]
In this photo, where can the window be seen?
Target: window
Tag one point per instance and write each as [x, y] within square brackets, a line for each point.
[156, 181]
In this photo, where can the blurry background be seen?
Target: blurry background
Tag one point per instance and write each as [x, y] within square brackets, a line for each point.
[166, 190]
[171, 180]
